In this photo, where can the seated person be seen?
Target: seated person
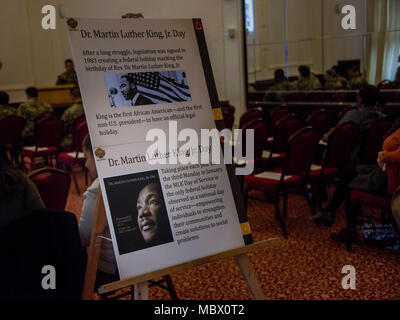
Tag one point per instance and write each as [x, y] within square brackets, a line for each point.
[107, 268]
[355, 79]
[367, 100]
[18, 195]
[5, 108]
[69, 75]
[372, 179]
[70, 115]
[307, 80]
[29, 110]
[333, 80]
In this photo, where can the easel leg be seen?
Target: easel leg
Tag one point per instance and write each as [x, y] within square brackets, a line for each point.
[141, 291]
[250, 277]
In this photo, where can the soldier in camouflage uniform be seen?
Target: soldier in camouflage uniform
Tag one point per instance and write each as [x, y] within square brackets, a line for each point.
[334, 81]
[69, 76]
[307, 81]
[355, 79]
[5, 108]
[280, 84]
[70, 115]
[29, 110]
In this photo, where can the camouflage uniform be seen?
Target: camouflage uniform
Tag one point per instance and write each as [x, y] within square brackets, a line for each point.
[279, 86]
[69, 116]
[6, 110]
[310, 83]
[335, 83]
[29, 110]
[67, 78]
[356, 82]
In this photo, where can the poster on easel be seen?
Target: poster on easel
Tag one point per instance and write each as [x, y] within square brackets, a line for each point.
[148, 93]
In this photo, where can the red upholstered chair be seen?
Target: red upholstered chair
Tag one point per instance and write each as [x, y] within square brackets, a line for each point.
[250, 115]
[370, 200]
[53, 186]
[339, 148]
[293, 177]
[373, 140]
[260, 134]
[228, 112]
[279, 113]
[68, 160]
[48, 133]
[320, 121]
[283, 129]
[11, 128]
[44, 115]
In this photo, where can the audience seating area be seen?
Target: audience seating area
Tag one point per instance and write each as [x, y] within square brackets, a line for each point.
[287, 160]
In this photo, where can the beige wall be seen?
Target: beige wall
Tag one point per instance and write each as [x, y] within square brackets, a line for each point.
[314, 34]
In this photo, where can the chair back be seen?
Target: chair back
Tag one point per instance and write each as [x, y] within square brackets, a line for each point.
[340, 144]
[301, 147]
[279, 113]
[283, 130]
[250, 115]
[260, 135]
[80, 134]
[53, 186]
[38, 239]
[48, 132]
[44, 115]
[320, 121]
[79, 120]
[374, 139]
[11, 128]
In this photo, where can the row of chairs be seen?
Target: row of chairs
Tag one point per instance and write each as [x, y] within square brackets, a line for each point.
[288, 164]
[48, 131]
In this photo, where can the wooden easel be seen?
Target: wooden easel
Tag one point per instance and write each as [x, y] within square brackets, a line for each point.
[240, 255]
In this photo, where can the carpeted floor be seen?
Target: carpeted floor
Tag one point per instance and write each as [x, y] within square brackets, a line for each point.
[307, 265]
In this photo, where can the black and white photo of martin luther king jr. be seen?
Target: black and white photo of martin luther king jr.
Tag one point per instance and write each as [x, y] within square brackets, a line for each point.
[130, 93]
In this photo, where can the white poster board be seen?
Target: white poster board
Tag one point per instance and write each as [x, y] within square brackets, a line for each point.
[136, 75]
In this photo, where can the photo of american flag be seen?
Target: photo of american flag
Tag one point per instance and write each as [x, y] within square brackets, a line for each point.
[142, 88]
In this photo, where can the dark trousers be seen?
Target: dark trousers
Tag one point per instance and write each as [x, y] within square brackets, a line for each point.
[341, 191]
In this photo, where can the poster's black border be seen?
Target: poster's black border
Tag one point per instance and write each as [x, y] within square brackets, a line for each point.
[214, 101]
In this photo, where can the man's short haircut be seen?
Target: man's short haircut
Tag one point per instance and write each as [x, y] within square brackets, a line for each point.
[68, 60]
[4, 98]
[87, 144]
[369, 95]
[279, 74]
[75, 92]
[304, 71]
[32, 92]
[129, 78]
